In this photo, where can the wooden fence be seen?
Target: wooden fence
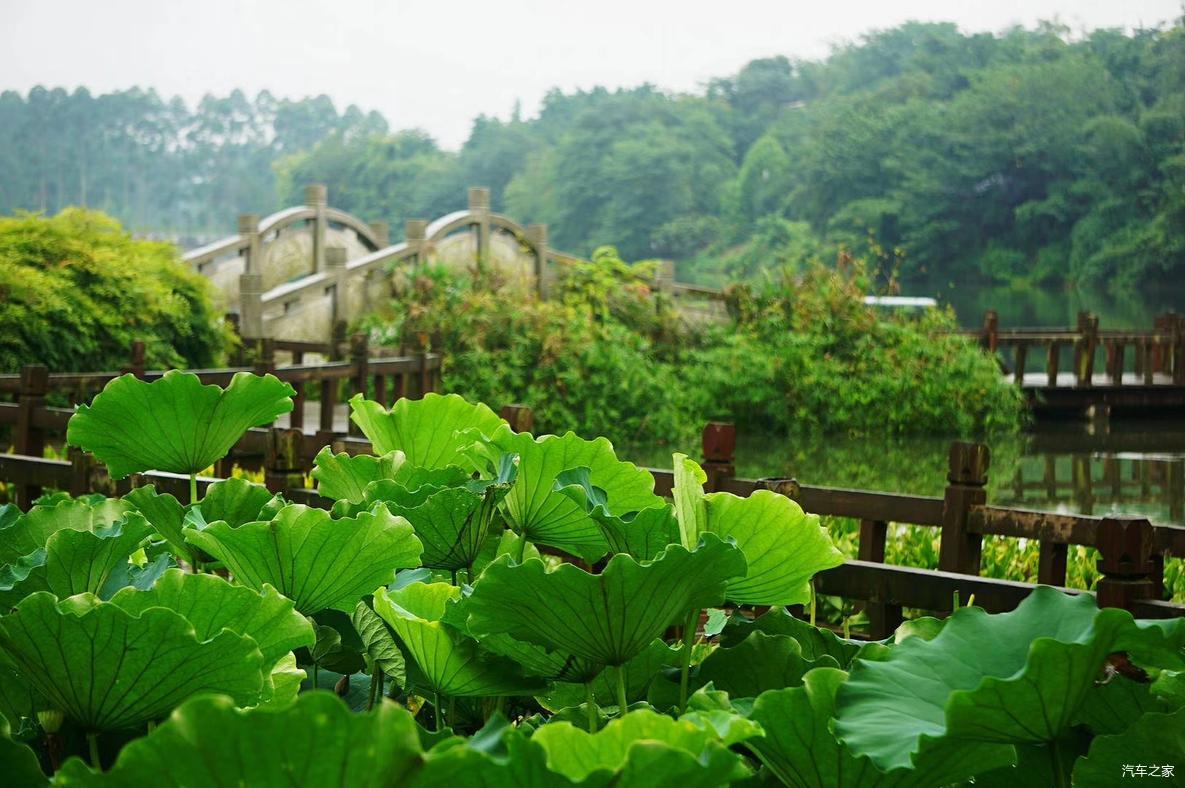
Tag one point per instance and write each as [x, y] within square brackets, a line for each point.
[1132, 549]
[1158, 352]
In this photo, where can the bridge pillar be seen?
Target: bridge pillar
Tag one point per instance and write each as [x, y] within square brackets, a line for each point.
[479, 205]
[382, 233]
[316, 196]
[249, 230]
[251, 306]
[537, 238]
[335, 266]
[414, 231]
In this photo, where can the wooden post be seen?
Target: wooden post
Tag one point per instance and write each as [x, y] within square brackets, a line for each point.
[1052, 359]
[719, 445]
[359, 384]
[883, 618]
[1080, 477]
[1051, 564]
[82, 466]
[479, 206]
[1178, 350]
[959, 550]
[1125, 546]
[990, 338]
[284, 460]
[296, 419]
[1084, 349]
[135, 360]
[325, 432]
[537, 238]
[316, 196]
[28, 438]
[1021, 356]
[519, 417]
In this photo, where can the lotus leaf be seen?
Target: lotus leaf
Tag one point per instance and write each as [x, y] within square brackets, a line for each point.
[801, 750]
[605, 618]
[175, 423]
[106, 668]
[449, 662]
[312, 559]
[431, 432]
[316, 741]
[344, 477]
[1017, 677]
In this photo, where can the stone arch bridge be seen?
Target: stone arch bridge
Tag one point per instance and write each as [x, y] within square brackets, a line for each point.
[302, 273]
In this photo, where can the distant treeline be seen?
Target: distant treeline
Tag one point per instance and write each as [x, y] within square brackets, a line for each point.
[1030, 154]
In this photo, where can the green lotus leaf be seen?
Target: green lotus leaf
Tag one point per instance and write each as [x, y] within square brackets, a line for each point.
[497, 755]
[543, 514]
[175, 423]
[379, 643]
[431, 431]
[641, 748]
[165, 514]
[566, 692]
[1155, 740]
[76, 562]
[758, 663]
[688, 494]
[1017, 677]
[817, 644]
[21, 769]
[643, 534]
[784, 546]
[605, 618]
[1110, 707]
[344, 477]
[312, 559]
[24, 533]
[106, 668]
[711, 709]
[235, 502]
[316, 741]
[283, 683]
[452, 522]
[448, 662]
[211, 604]
[800, 749]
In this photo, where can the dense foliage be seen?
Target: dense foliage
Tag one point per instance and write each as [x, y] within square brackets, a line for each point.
[1031, 154]
[799, 353]
[76, 290]
[155, 163]
[1021, 156]
[495, 608]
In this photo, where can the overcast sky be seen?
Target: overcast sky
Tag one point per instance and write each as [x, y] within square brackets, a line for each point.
[438, 64]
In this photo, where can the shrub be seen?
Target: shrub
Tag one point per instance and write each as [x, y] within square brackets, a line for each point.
[76, 290]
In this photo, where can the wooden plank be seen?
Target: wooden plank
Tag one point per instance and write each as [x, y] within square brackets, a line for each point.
[1029, 524]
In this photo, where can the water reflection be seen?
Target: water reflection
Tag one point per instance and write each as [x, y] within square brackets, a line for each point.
[1134, 467]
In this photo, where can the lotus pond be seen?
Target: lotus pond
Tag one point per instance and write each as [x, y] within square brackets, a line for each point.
[476, 606]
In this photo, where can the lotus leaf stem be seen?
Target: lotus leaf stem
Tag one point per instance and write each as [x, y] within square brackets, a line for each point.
[92, 741]
[374, 685]
[193, 488]
[621, 701]
[436, 710]
[1059, 774]
[689, 627]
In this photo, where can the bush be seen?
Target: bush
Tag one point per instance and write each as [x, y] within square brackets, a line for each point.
[76, 290]
[803, 354]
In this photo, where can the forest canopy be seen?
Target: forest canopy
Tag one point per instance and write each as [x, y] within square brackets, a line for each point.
[1021, 156]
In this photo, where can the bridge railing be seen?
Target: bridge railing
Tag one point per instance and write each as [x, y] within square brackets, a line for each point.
[337, 284]
[1158, 352]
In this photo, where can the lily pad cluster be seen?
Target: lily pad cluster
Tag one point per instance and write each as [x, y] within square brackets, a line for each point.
[475, 606]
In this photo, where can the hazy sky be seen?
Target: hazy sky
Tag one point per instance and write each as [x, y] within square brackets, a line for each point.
[438, 64]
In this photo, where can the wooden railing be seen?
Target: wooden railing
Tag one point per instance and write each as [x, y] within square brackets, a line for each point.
[1132, 550]
[1158, 352]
